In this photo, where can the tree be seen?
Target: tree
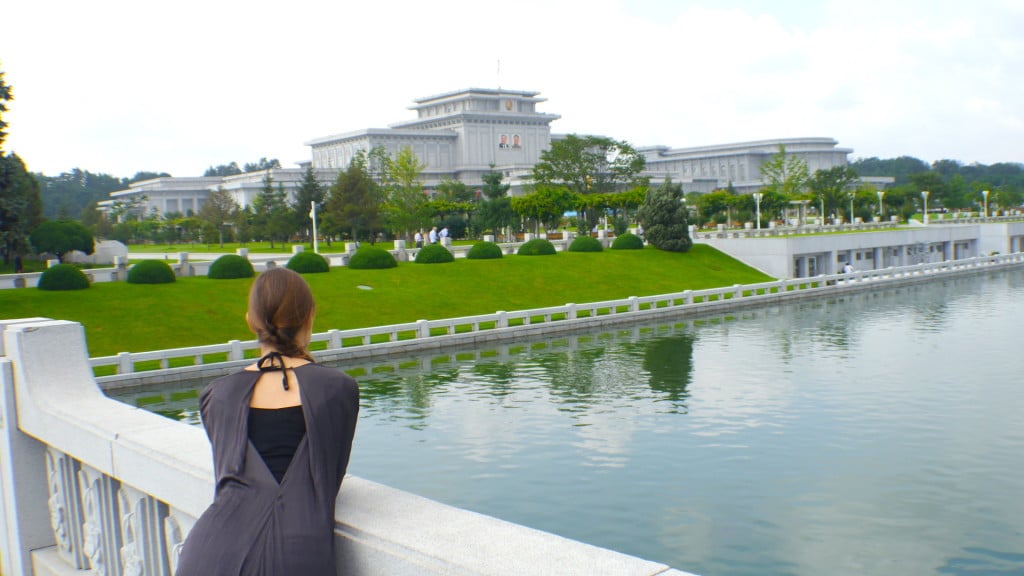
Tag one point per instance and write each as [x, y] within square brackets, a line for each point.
[223, 170]
[261, 165]
[353, 203]
[217, 212]
[271, 215]
[405, 208]
[663, 217]
[830, 187]
[588, 165]
[933, 183]
[21, 206]
[60, 237]
[309, 192]
[492, 187]
[6, 95]
[545, 205]
[785, 174]
[454, 191]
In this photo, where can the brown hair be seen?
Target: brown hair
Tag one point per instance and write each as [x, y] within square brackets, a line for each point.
[281, 308]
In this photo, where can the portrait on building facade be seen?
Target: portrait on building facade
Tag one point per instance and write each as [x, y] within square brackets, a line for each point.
[515, 141]
[503, 141]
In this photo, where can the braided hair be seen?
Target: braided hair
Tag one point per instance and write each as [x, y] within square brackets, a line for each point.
[281, 309]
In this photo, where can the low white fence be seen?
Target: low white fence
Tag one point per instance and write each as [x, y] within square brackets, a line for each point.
[161, 365]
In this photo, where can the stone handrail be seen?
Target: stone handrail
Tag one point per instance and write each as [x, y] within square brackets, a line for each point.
[92, 484]
[425, 334]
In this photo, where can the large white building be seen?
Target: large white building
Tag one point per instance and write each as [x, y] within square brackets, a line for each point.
[460, 135]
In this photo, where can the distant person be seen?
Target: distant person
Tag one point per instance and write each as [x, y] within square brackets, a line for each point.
[419, 238]
[433, 235]
[281, 431]
[443, 233]
[847, 268]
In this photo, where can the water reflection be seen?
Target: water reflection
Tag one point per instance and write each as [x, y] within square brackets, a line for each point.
[875, 433]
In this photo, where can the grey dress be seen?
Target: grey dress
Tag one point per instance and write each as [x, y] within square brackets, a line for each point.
[256, 526]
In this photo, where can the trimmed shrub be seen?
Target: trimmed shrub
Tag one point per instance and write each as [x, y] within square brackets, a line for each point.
[63, 277]
[537, 247]
[230, 266]
[628, 241]
[434, 254]
[151, 272]
[484, 251]
[308, 263]
[585, 244]
[371, 257]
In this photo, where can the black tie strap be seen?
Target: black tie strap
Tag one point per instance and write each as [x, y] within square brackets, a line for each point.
[266, 364]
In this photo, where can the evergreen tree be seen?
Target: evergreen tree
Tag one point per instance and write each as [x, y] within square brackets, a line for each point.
[310, 192]
[353, 204]
[663, 217]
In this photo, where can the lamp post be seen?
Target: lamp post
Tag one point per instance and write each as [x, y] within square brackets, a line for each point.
[851, 207]
[985, 194]
[924, 206]
[821, 215]
[757, 202]
[881, 207]
[312, 214]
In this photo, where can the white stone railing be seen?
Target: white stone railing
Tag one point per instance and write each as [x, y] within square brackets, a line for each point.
[161, 365]
[92, 485]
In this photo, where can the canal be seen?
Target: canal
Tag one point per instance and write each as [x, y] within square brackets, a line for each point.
[874, 433]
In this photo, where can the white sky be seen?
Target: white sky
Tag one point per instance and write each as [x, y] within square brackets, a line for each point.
[120, 87]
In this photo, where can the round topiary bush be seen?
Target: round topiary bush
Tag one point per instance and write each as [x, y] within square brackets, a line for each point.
[537, 247]
[484, 251]
[231, 266]
[151, 272]
[371, 257]
[586, 244]
[628, 241]
[308, 263]
[63, 277]
[434, 254]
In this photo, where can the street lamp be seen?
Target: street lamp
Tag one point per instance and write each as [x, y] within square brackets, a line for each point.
[881, 207]
[851, 207]
[985, 194]
[924, 204]
[312, 215]
[757, 202]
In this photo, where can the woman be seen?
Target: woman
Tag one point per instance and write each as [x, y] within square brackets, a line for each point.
[281, 431]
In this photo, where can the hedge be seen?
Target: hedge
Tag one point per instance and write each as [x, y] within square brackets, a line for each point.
[231, 266]
[63, 277]
[537, 247]
[585, 244]
[484, 251]
[371, 257]
[628, 241]
[308, 263]
[151, 272]
[434, 254]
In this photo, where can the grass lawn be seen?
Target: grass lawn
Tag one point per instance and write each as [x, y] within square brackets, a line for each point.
[121, 317]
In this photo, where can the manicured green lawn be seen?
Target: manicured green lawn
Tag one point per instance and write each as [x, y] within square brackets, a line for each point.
[121, 317]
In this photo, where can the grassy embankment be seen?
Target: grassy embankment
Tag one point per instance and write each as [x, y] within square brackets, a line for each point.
[121, 317]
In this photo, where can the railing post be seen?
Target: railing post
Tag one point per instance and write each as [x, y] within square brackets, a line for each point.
[423, 329]
[570, 311]
[737, 291]
[502, 320]
[236, 352]
[334, 339]
[124, 363]
[687, 297]
[634, 304]
[25, 521]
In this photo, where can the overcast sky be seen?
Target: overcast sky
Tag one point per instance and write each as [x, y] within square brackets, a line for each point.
[120, 87]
